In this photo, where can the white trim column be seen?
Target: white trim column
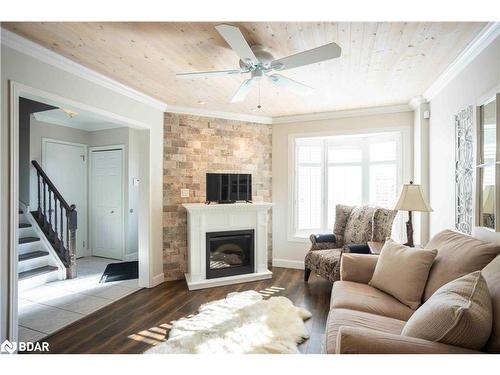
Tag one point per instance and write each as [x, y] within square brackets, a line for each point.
[421, 164]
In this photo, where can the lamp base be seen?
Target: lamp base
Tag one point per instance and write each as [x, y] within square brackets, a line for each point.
[409, 231]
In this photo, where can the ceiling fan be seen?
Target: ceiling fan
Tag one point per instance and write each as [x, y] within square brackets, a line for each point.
[259, 63]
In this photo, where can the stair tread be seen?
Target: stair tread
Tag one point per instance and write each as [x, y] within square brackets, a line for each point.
[24, 225]
[24, 240]
[36, 272]
[33, 255]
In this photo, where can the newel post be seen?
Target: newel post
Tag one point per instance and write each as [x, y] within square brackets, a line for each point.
[72, 226]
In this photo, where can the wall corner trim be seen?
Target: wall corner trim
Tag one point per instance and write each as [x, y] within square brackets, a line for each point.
[416, 102]
[157, 280]
[27, 47]
[487, 35]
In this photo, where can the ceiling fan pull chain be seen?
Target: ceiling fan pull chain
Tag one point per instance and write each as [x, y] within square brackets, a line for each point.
[258, 105]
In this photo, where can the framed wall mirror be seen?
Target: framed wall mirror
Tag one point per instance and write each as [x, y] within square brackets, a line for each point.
[488, 164]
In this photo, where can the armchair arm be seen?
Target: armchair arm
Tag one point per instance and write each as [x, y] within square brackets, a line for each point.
[356, 340]
[357, 267]
[323, 241]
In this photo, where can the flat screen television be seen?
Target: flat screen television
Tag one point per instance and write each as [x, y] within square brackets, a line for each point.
[229, 187]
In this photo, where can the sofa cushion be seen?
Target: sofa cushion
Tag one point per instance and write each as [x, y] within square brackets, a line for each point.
[342, 213]
[351, 318]
[459, 313]
[358, 229]
[362, 297]
[458, 255]
[402, 272]
[382, 224]
[491, 274]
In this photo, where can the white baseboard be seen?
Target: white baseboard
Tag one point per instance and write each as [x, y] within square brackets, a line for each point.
[287, 263]
[131, 257]
[157, 280]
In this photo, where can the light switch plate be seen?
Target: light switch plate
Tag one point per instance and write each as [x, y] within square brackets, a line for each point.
[184, 193]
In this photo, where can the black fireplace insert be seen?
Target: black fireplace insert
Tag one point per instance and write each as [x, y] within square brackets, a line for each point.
[230, 253]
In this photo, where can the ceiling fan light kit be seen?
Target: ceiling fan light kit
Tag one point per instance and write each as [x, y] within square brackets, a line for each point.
[259, 63]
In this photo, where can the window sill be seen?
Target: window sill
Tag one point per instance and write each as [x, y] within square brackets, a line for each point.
[292, 238]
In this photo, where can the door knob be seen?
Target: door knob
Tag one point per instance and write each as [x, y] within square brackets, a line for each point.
[112, 212]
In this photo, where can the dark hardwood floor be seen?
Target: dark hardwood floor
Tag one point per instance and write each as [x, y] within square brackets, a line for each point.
[140, 320]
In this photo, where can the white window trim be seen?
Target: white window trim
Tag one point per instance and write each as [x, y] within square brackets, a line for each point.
[405, 166]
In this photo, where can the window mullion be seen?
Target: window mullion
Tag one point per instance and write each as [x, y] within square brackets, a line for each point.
[324, 187]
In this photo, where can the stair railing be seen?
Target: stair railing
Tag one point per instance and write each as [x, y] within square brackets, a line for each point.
[57, 219]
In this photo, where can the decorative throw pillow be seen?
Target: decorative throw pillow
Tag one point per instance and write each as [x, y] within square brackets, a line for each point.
[358, 229]
[342, 214]
[402, 272]
[382, 224]
[459, 313]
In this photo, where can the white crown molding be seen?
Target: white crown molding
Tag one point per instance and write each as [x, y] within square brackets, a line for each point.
[219, 114]
[47, 56]
[358, 112]
[487, 35]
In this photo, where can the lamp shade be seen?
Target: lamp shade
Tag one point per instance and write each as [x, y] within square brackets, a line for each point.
[412, 199]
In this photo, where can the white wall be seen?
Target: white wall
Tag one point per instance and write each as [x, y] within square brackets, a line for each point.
[291, 253]
[477, 79]
[34, 73]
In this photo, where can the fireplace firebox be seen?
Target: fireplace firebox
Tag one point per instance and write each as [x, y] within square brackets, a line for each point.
[229, 253]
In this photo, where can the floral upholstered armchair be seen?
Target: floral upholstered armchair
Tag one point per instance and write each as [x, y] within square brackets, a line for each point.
[354, 227]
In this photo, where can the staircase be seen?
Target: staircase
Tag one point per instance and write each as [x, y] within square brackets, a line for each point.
[37, 262]
[47, 236]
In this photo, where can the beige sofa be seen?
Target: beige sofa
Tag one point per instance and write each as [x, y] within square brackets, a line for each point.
[363, 319]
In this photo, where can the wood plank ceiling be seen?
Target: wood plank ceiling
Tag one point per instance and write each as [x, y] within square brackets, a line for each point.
[381, 64]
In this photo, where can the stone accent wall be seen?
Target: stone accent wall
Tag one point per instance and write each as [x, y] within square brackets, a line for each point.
[193, 146]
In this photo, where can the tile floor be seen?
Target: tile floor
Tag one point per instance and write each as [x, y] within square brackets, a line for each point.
[50, 307]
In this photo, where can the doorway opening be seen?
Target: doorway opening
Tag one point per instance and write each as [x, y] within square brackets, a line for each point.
[78, 206]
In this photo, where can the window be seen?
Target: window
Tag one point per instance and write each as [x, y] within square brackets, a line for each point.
[352, 170]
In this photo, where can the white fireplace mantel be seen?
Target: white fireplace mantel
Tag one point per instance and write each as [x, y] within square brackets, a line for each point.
[204, 218]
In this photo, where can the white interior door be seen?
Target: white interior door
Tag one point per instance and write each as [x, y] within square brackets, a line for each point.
[106, 193]
[66, 166]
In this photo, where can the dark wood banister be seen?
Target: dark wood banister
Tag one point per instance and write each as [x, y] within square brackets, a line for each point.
[67, 252]
[52, 187]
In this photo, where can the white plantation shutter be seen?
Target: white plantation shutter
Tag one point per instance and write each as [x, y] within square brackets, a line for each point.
[352, 170]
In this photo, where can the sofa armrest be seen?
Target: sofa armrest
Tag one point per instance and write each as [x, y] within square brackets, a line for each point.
[323, 241]
[356, 340]
[357, 267]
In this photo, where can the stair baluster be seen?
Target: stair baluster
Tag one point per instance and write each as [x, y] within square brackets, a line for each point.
[63, 239]
[39, 206]
[50, 214]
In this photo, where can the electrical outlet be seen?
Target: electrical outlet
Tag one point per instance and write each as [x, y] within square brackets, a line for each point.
[184, 193]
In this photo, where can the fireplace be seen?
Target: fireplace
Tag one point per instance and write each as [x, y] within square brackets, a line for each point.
[229, 253]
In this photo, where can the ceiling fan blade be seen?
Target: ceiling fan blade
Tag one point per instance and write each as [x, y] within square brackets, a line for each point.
[233, 36]
[214, 73]
[242, 91]
[294, 86]
[312, 56]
